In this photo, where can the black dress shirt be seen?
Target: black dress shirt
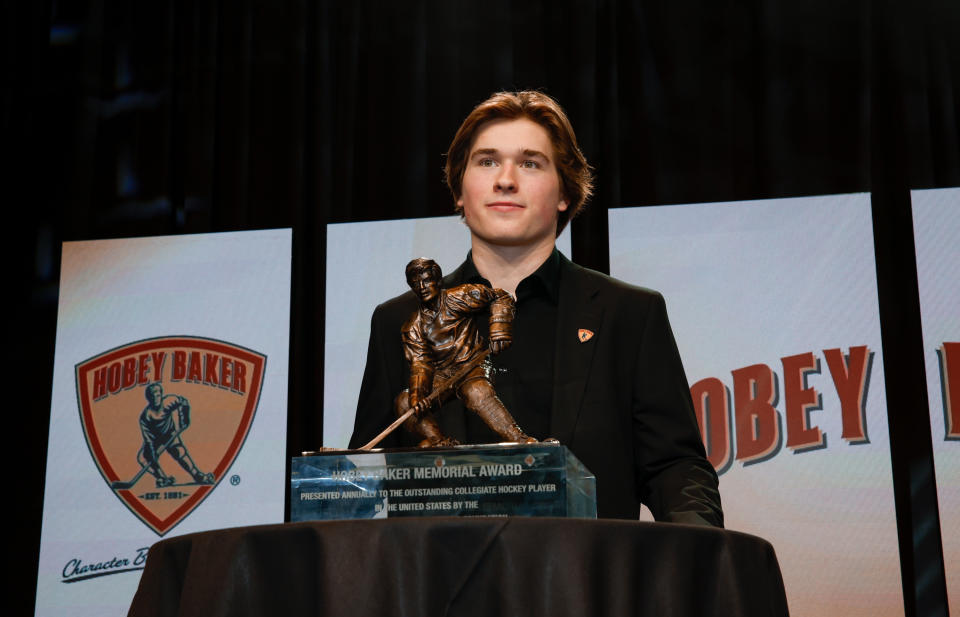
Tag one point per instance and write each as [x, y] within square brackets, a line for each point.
[522, 374]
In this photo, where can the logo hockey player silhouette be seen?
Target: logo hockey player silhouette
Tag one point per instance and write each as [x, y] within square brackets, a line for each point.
[162, 423]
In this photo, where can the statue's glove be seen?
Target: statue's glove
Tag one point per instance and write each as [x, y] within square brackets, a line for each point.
[501, 335]
[421, 408]
[499, 345]
[501, 321]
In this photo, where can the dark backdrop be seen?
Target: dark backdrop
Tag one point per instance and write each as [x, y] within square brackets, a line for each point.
[147, 118]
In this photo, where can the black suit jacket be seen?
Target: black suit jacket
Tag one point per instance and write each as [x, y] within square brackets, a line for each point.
[621, 399]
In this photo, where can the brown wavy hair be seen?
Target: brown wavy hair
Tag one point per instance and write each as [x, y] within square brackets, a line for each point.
[576, 176]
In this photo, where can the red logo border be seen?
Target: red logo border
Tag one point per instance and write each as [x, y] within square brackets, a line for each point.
[158, 525]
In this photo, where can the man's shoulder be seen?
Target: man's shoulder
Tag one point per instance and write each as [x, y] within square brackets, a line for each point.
[606, 287]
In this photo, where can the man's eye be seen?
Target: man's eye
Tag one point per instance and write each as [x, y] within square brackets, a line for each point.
[487, 163]
[530, 164]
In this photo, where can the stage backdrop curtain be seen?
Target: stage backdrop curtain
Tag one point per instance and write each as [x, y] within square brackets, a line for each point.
[131, 118]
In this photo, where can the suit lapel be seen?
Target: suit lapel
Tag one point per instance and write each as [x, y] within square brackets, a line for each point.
[580, 316]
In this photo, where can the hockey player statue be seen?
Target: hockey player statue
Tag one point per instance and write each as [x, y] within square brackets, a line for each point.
[446, 354]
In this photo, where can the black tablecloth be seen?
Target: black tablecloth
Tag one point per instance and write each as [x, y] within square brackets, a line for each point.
[454, 566]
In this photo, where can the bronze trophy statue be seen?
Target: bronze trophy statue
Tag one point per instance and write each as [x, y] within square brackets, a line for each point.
[446, 353]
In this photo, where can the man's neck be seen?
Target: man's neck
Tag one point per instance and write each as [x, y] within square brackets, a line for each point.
[506, 266]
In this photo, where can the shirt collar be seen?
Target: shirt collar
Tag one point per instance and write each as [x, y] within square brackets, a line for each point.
[547, 276]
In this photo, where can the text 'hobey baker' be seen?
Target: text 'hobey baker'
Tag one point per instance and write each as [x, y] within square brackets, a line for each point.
[446, 352]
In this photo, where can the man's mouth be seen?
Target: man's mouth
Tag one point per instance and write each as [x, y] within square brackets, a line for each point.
[505, 206]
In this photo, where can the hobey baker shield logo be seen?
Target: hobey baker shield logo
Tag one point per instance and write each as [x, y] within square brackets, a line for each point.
[165, 418]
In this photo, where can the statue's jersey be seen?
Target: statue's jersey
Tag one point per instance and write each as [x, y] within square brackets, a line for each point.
[447, 338]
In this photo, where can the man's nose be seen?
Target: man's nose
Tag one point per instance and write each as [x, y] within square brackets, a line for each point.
[506, 180]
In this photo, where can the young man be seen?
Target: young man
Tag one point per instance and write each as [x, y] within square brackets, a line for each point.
[593, 361]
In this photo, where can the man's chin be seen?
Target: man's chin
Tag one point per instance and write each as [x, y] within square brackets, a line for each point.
[510, 239]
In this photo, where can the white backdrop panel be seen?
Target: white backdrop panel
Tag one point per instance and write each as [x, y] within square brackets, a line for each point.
[751, 283]
[232, 287]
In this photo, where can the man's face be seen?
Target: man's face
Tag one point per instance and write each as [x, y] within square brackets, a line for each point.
[425, 286]
[511, 190]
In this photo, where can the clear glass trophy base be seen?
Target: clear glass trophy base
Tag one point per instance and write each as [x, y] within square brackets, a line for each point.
[539, 479]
